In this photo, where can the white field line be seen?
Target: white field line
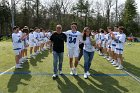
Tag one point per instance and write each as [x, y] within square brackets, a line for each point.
[133, 76]
[7, 71]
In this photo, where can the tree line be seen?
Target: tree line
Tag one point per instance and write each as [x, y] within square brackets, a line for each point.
[48, 14]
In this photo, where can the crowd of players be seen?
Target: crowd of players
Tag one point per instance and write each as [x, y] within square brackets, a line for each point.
[36, 39]
[109, 43]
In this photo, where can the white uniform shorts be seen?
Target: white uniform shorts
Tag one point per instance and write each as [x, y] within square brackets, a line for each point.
[17, 51]
[36, 42]
[31, 44]
[103, 44]
[46, 39]
[73, 52]
[119, 51]
[113, 47]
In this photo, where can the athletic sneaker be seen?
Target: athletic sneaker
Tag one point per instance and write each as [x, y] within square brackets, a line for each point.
[18, 66]
[54, 76]
[85, 76]
[120, 67]
[21, 61]
[60, 72]
[71, 72]
[38, 52]
[88, 73]
[105, 57]
[25, 60]
[74, 71]
[100, 54]
[114, 63]
[35, 54]
[32, 56]
[111, 61]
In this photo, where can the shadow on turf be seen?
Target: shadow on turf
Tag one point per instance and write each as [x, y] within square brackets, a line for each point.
[67, 86]
[108, 84]
[38, 58]
[132, 69]
[16, 78]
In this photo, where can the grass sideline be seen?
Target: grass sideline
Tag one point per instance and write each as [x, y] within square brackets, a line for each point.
[29, 83]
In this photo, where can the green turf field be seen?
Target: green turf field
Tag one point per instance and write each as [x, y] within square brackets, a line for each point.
[36, 75]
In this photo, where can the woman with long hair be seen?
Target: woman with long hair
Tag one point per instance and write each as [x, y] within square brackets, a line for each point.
[88, 50]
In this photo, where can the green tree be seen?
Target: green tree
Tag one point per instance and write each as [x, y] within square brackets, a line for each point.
[129, 15]
[82, 8]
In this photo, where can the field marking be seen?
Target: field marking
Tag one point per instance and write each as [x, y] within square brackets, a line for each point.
[132, 75]
[7, 71]
[50, 74]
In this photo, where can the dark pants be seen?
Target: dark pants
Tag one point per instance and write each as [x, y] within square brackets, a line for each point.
[80, 54]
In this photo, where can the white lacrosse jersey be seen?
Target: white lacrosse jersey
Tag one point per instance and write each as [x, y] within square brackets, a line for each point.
[115, 33]
[31, 37]
[73, 39]
[16, 41]
[120, 40]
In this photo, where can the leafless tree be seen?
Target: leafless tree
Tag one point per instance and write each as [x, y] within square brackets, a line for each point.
[108, 6]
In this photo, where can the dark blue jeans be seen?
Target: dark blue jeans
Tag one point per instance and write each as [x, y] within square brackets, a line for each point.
[57, 57]
[88, 56]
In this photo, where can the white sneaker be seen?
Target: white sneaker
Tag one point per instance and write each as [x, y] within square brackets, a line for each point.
[31, 55]
[20, 61]
[74, 71]
[120, 67]
[18, 66]
[100, 54]
[71, 72]
[114, 63]
[54, 76]
[35, 54]
[108, 59]
[60, 72]
[85, 76]
[25, 60]
[88, 73]
[111, 61]
[105, 57]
